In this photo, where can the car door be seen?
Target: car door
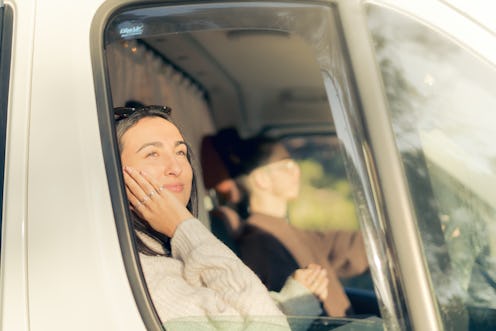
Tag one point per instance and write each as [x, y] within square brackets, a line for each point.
[400, 193]
[435, 69]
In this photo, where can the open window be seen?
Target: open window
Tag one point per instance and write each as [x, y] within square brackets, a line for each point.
[272, 68]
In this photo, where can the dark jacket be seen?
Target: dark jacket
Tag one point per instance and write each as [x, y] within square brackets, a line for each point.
[274, 249]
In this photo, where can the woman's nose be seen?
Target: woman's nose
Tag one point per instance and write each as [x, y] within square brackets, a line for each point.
[172, 166]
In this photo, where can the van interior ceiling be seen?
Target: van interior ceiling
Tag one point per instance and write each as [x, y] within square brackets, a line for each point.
[260, 78]
[256, 80]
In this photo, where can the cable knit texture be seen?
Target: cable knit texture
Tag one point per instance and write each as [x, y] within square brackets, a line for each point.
[204, 279]
[295, 299]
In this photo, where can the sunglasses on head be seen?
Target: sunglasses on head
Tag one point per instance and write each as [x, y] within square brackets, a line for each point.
[124, 112]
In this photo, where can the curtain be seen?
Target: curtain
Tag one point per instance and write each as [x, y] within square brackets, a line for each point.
[136, 73]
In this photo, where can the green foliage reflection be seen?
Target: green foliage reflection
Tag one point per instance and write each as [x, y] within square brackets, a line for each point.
[325, 200]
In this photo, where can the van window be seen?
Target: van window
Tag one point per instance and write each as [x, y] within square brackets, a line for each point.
[5, 51]
[272, 68]
[442, 107]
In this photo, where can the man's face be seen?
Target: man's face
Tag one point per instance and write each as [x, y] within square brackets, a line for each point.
[284, 177]
[156, 146]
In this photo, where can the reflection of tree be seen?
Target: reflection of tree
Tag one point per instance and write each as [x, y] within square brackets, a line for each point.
[395, 39]
[325, 200]
[467, 235]
[403, 97]
[325, 149]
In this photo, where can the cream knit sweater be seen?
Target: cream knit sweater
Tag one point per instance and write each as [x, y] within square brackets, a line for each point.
[204, 281]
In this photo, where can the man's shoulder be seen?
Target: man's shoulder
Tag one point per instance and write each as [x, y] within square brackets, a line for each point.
[255, 236]
[253, 232]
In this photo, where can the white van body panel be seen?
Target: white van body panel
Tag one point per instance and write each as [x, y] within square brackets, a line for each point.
[63, 268]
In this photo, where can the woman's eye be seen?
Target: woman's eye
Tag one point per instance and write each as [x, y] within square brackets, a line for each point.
[152, 154]
[181, 153]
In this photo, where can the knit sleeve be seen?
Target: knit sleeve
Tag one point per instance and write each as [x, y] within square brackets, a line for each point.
[296, 300]
[209, 263]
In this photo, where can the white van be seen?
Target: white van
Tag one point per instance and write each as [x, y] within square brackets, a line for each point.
[392, 104]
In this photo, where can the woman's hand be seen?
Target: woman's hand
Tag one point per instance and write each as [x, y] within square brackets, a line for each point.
[159, 207]
[314, 278]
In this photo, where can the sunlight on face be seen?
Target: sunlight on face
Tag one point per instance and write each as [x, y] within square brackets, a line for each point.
[285, 178]
[156, 146]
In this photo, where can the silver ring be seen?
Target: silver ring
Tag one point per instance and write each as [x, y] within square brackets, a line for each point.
[152, 193]
[145, 199]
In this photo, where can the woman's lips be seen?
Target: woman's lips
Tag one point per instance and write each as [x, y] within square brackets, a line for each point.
[177, 188]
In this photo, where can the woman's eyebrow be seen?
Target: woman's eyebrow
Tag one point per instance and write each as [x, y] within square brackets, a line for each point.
[159, 144]
[181, 142]
[152, 143]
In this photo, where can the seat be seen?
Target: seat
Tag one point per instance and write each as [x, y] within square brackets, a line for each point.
[218, 174]
[226, 225]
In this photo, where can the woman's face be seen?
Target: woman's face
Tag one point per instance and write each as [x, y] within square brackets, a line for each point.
[155, 146]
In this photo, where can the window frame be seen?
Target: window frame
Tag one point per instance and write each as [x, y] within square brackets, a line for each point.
[112, 164]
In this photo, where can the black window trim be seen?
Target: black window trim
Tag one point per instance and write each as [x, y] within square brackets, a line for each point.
[6, 26]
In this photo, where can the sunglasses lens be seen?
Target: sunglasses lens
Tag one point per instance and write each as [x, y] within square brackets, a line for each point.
[164, 109]
[122, 112]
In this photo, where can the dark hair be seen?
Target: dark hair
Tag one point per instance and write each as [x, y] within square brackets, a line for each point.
[259, 151]
[139, 224]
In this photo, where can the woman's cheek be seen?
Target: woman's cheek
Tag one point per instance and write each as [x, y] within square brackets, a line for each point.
[153, 169]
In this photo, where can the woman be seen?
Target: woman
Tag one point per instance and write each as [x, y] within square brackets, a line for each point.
[189, 273]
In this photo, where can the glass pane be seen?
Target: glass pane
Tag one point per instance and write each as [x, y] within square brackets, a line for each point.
[442, 104]
[325, 202]
[326, 199]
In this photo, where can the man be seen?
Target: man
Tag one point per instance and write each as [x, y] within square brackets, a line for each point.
[271, 246]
